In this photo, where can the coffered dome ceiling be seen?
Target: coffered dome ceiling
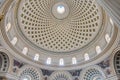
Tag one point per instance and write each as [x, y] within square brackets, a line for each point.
[59, 26]
[57, 34]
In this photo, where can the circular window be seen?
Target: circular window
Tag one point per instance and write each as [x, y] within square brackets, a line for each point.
[61, 9]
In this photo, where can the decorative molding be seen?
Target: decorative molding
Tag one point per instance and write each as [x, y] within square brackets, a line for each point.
[92, 73]
[60, 75]
[30, 72]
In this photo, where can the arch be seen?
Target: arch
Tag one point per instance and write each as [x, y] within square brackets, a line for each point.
[117, 62]
[61, 75]
[86, 56]
[25, 50]
[61, 62]
[4, 63]
[8, 26]
[7, 61]
[74, 60]
[114, 62]
[111, 21]
[107, 38]
[36, 57]
[98, 49]
[30, 72]
[49, 60]
[92, 73]
[1, 62]
[14, 41]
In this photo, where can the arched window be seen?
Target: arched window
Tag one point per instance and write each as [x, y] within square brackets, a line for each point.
[74, 61]
[86, 56]
[14, 41]
[48, 61]
[25, 50]
[61, 62]
[8, 26]
[36, 57]
[111, 21]
[107, 38]
[98, 49]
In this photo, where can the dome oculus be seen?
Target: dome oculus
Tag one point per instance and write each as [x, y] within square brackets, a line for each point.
[60, 9]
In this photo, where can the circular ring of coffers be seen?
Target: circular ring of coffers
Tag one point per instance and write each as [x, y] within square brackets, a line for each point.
[53, 59]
